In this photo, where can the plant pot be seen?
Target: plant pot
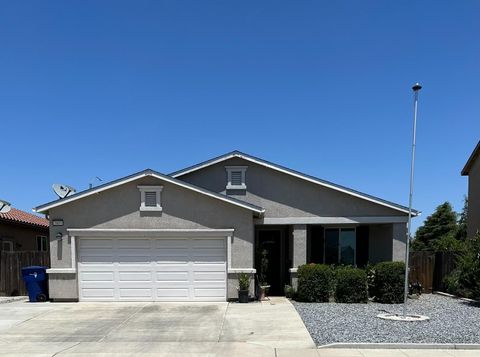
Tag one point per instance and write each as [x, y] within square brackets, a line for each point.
[262, 292]
[243, 296]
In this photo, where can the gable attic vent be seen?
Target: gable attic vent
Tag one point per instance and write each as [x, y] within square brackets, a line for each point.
[150, 199]
[236, 177]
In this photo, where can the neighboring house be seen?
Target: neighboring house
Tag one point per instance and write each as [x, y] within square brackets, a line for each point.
[20, 231]
[187, 235]
[472, 170]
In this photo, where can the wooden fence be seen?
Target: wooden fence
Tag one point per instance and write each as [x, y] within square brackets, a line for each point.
[11, 264]
[430, 268]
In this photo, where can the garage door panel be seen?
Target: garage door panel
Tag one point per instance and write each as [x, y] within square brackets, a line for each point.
[163, 269]
[209, 276]
[134, 259]
[97, 259]
[170, 243]
[209, 293]
[137, 276]
[98, 293]
[134, 243]
[172, 276]
[96, 243]
[204, 243]
[137, 293]
[173, 294]
[103, 276]
[179, 259]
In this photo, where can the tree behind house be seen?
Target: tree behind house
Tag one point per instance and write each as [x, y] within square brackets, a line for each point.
[442, 224]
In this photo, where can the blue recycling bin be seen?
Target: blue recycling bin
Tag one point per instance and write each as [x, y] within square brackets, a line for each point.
[35, 278]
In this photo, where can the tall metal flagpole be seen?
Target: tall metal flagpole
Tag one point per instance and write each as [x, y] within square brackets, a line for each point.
[416, 88]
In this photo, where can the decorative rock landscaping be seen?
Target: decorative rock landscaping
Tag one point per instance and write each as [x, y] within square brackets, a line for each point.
[451, 321]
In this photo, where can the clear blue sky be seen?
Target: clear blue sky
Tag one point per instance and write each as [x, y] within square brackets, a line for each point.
[107, 88]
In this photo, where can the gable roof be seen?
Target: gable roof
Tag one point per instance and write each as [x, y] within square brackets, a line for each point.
[148, 172]
[313, 179]
[22, 217]
[471, 160]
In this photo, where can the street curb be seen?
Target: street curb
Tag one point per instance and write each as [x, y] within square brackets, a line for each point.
[12, 299]
[404, 346]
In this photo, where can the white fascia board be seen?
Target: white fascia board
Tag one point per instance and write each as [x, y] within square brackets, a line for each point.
[127, 232]
[136, 177]
[298, 175]
[332, 220]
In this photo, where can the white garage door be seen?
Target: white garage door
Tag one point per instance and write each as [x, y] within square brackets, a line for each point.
[152, 269]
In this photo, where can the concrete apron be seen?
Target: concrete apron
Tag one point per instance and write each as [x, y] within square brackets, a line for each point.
[151, 328]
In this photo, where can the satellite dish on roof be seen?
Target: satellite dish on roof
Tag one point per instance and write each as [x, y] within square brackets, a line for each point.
[63, 191]
[5, 206]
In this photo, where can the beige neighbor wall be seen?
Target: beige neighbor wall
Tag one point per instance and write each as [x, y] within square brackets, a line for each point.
[473, 218]
[119, 208]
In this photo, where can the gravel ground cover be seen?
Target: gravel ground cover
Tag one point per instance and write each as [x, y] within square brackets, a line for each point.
[451, 321]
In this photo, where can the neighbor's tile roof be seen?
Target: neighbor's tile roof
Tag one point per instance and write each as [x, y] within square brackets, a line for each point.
[18, 216]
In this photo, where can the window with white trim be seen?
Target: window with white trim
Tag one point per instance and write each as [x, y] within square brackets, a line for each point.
[150, 198]
[236, 177]
[42, 243]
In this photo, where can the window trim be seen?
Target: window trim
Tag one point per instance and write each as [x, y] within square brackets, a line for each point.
[339, 229]
[242, 170]
[9, 243]
[42, 239]
[158, 192]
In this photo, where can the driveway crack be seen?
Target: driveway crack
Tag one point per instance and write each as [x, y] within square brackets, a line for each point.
[65, 349]
[123, 322]
[223, 323]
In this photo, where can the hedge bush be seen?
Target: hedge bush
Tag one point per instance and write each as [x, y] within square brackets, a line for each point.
[350, 285]
[389, 282]
[315, 282]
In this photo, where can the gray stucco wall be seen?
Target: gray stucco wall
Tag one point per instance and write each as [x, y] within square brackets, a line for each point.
[119, 208]
[473, 218]
[283, 195]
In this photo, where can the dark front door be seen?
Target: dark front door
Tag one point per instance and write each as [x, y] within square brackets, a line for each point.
[270, 247]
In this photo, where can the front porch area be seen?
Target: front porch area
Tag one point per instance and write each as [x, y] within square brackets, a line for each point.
[280, 249]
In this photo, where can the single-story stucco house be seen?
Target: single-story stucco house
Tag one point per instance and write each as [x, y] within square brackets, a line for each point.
[187, 235]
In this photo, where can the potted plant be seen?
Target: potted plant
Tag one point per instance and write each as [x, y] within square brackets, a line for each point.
[263, 285]
[243, 287]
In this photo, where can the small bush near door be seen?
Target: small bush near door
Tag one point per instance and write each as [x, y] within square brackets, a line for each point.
[389, 282]
[350, 285]
[315, 282]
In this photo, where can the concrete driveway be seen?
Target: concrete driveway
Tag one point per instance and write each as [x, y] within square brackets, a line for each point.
[75, 329]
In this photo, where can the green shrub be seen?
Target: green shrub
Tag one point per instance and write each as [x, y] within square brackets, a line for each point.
[469, 267]
[350, 285]
[389, 282]
[315, 282]
[290, 292]
[370, 271]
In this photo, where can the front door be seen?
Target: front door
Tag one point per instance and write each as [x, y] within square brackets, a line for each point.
[270, 258]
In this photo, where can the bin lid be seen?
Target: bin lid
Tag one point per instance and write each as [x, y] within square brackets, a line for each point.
[34, 267]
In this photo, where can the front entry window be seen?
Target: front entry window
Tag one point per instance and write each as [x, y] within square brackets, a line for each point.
[340, 246]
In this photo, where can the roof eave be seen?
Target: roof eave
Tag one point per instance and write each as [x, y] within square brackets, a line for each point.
[471, 160]
[46, 207]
